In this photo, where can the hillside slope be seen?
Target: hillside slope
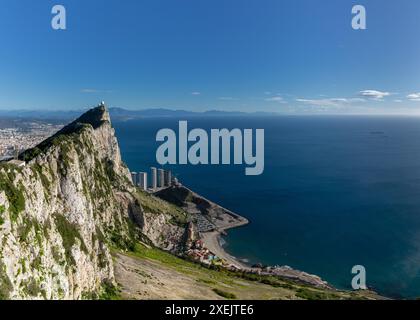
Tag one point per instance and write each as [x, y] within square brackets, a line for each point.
[149, 273]
[60, 213]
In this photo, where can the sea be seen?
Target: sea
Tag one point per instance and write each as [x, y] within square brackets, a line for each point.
[336, 192]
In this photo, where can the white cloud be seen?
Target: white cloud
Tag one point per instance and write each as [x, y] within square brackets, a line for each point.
[414, 96]
[374, 94]
[91, 90]
[228, 98]
[330, 102]
[87, 90]
[277, 99]
[195, 93]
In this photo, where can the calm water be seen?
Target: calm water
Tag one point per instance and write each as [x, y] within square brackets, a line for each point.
[336, 192]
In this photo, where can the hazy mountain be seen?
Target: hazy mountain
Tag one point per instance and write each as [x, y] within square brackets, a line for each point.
[123, 114]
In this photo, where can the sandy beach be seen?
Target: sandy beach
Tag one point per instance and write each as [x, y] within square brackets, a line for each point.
[211, 241]
[212, 220]
[223, 219]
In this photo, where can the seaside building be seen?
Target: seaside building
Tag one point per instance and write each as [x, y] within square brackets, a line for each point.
[168, 178]
[134, 178]
[153, 181]
[142, 180]
[161, 178]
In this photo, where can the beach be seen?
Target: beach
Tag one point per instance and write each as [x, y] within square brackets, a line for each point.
[211, 241]
[211, 219]
[222, 220]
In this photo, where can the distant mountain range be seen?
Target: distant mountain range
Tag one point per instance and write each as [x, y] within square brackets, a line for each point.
[124, 114]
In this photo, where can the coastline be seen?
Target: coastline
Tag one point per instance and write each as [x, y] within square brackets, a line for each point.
[212, 239]
[212, 221]
[226, 220]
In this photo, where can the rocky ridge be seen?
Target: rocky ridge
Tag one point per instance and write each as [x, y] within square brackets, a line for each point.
[64, 208]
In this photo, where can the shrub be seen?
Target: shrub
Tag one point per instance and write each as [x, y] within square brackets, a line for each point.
[2, 210]
[224, 294]
[110, 292]
[308, 294]
[69, 233]
[14, 194]
[5, 284]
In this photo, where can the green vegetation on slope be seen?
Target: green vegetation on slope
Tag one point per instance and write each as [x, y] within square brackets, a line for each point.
[224, 294]
[14, 194]
[92, 118]
[125, 242]
[69, 233]
[108, 291]
[61, 138]
[239, 285]
[38, 170]
[5, 284]
[2, 211]
[155, 205]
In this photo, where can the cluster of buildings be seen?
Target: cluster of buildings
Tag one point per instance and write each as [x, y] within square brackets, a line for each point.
[159, 178]
[18, 136]
[199, 253]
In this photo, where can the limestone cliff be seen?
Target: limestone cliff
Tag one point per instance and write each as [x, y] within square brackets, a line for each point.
[61, 212]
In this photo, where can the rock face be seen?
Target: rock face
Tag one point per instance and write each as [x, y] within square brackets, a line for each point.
[61, 211]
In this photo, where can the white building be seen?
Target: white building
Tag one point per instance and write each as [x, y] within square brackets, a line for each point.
[153, 178]
[142, 180]
[134, 178]
[168, 178]
[161, 178]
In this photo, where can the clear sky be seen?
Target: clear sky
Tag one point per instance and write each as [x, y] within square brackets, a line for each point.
[289, 56]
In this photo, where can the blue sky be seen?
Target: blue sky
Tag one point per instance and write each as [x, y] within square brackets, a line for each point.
[289, 56]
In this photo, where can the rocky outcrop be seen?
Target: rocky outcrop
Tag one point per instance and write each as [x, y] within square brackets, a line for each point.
[60, 213]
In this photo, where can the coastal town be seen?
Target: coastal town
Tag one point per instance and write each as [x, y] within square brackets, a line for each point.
[17, 136]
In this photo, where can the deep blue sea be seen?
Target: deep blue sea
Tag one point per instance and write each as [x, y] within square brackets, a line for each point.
[336, 192]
